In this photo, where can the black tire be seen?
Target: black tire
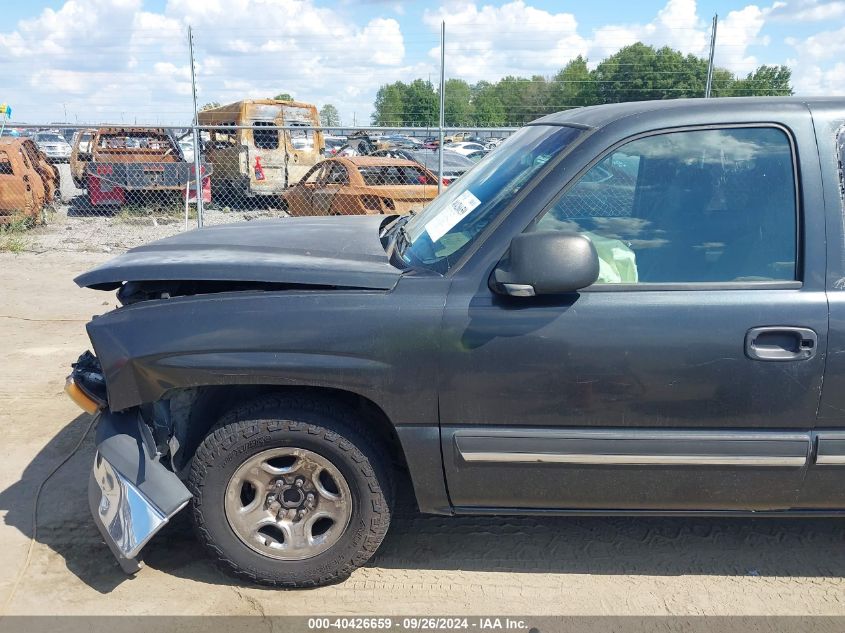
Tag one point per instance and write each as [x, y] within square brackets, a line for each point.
[325, 427]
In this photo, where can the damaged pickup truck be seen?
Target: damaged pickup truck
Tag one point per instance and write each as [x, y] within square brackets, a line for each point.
[625, 309]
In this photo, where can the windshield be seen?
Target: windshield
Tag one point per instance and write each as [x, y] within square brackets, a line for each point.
[438, 236]
[50, 138]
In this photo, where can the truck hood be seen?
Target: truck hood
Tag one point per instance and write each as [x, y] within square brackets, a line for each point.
[319, 251]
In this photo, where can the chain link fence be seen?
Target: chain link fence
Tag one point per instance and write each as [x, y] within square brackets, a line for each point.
[110, 187]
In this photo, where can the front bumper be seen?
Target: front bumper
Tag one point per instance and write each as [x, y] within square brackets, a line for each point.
[131, 494]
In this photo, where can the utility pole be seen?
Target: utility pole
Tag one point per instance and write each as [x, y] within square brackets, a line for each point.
[709, 85]
[197, 175]
[442, 105]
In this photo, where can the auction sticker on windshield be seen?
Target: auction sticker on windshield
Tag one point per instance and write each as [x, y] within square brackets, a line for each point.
[451, 215]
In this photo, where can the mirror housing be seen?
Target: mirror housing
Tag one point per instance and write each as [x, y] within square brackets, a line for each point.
[546, 263]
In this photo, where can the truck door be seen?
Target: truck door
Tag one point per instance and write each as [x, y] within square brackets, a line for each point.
[688, 376]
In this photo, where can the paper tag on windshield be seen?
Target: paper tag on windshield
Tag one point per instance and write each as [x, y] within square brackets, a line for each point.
[454, 213]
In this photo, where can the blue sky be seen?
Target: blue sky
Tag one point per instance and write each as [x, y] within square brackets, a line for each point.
[126, 60]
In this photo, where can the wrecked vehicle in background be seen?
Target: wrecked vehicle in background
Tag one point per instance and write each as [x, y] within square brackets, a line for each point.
[80, 156]
[362, 185]
[249, 151]
[127, 164]
[28, 181]
[54, 146]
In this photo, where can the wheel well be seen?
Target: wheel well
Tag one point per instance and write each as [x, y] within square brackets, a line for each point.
[199, 409]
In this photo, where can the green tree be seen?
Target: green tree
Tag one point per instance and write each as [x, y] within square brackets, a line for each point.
[723, 83]
[421, 104]
[573, 86]
[635, 73]
[458, 103]
[390, 104]
[329, 116]
[639, 72]
[535, 98]
[487, 109]
[284, 96]
[765, 81]
[510, 93]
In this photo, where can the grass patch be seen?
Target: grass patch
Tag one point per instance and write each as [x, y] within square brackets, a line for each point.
[168, 209]
[13, 234]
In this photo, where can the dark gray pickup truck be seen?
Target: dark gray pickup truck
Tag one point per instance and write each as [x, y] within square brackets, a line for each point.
[625, 309]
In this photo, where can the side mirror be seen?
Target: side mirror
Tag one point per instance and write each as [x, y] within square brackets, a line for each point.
[546, 263]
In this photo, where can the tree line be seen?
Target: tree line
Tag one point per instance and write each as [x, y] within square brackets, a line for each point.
[635, 73]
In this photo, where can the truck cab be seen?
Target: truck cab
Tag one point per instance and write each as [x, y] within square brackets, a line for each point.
[625, 309]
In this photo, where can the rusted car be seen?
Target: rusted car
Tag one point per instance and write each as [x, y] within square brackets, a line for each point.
[131, 162]
[362, 185]
[28, 182]
[253, 149]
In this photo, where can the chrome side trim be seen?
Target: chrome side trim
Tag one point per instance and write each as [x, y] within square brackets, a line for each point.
[830, 460]
[621, 460]
[830, 449]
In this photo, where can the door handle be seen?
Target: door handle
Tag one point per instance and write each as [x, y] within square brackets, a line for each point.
[781, 343]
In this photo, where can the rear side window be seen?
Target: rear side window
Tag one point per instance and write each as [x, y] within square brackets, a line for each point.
[395, 175]
[5, 165]
[692, 206]
[265, 135]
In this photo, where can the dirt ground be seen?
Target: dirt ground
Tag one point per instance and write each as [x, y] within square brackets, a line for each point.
[427, 564]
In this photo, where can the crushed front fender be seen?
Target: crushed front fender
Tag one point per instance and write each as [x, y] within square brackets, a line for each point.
[131, 494]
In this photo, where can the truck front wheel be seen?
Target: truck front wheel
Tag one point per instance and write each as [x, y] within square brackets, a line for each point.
[290, 492]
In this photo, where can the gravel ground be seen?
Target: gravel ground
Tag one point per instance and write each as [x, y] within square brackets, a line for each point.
[77, 226]
[610, 566]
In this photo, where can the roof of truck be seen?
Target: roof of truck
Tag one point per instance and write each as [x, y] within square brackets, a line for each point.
[601, 115]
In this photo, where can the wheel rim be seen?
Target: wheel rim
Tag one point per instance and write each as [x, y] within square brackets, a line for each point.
[288, 503]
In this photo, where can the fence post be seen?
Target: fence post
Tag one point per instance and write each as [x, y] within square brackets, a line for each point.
[198, 177]
[442, 105]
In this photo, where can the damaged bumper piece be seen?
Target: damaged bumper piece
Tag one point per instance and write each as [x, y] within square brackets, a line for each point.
[130, 493]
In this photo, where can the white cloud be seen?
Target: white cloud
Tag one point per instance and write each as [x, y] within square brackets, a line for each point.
[677, 25]
[809, 76]
[737, 32]
[807, 10]
[492, 42]
[107, 58]
[489, 42]
[824, 45]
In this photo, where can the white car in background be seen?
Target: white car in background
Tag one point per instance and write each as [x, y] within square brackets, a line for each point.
[54, 146]
[464, 149]
[187, 147]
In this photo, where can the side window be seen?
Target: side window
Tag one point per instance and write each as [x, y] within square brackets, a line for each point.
[301, 139]
[223, 138]
[265, 135]
[338, 175]
[695, 206]
[5, 165]
[312, 176]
